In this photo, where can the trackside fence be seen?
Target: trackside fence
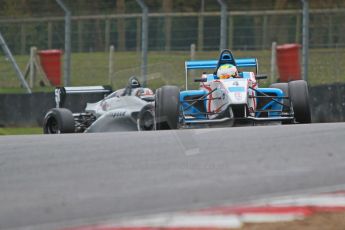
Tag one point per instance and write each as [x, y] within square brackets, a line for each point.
[249, 33]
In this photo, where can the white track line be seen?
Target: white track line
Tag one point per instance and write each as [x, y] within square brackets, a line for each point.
[319, 201]
[270, 218]
[185, 221]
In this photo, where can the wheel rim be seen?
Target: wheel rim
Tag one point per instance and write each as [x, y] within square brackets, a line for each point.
[53, 126]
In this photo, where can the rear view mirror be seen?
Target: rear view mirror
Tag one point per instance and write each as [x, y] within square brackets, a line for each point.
[200, 80]
[261, 76]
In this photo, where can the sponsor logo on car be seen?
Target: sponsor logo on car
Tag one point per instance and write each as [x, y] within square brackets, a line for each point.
[118, 114]
[236, 89]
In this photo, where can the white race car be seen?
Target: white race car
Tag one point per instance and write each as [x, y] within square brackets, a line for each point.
[126, 109]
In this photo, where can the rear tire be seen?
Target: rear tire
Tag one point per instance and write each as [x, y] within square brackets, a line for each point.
[58, 121]
[298, 91]
[167, 106]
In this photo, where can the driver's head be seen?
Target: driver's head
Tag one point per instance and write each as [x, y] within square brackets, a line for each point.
[226, 71]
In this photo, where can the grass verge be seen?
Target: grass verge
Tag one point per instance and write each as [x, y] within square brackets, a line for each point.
[20, 130]
[325, 66]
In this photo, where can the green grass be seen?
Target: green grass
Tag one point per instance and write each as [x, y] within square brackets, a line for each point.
[14, 90]
[20, 130]
[325, 66]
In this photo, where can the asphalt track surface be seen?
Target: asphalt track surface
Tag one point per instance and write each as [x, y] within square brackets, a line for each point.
[52, 181]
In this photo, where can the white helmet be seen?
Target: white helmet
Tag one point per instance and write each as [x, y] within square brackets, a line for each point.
[226, 71]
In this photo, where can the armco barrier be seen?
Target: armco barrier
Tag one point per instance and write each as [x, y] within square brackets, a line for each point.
[24, 109]
[29, 109]
[327, 105]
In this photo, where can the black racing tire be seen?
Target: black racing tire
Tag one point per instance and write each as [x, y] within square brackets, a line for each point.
[167, 106]
[299, 95]
[59, 120]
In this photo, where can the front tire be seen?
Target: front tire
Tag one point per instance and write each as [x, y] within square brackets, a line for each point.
[298, 91]
[58, 121]
[167, 103]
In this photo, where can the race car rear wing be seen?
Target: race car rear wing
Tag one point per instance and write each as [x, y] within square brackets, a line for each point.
[213, 64]
[61, 92]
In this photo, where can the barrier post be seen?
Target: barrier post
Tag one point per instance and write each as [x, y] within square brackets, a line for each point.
[273, 61]
[223, 26]
[111, 63]
[305, 39]
[32, 73]
[144, 40]
[67, 58]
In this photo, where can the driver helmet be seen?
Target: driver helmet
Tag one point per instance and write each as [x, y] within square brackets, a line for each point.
[226, 71]
[134, 83]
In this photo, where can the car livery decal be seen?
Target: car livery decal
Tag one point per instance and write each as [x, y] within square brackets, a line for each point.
[118, 114]
[209, 97]
[219, 104]
[236, 89]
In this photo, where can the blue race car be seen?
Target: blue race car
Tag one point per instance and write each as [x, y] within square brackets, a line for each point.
[229, 96]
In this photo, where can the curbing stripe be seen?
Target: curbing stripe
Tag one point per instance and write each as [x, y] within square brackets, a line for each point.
[230, 217]
[318, 201]
[269, 218]
[240, 210]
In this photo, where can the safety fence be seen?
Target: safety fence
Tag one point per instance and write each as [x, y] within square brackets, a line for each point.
[246, 30]
[326, 66]
[95, 27]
